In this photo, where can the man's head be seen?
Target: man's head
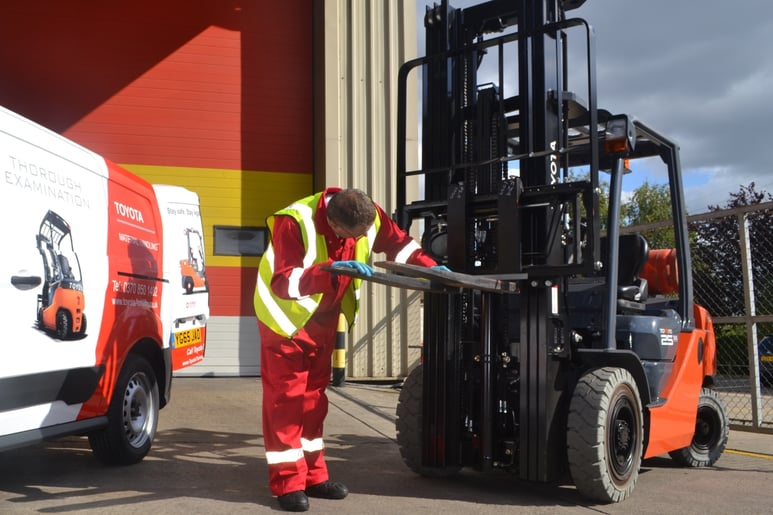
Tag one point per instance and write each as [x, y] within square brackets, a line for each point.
[350, 213]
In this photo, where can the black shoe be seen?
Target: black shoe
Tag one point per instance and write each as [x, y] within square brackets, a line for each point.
[294, 501]
[328, 490]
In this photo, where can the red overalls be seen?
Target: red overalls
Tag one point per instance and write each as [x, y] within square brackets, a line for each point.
[295, 371]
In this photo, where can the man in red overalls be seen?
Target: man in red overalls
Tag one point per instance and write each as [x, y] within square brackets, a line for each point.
[298, 306]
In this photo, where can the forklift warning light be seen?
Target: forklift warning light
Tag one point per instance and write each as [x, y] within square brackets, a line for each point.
[619, 135]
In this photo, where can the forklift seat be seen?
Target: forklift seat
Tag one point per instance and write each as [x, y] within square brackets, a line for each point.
[631, 287]
[634, 252]
[64, 264]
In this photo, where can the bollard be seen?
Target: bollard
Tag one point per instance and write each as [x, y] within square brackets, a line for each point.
[339, 354]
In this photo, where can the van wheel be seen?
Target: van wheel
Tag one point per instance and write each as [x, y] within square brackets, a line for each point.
[711, 432]
[63, 324]
[409, 426]
[605, 434]
[132, 416]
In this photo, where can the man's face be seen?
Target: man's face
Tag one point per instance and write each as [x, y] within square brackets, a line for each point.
[348, 232]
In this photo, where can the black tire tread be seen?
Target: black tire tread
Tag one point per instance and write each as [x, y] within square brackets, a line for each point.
[109, 445]
[696, 456]
[586, 435]
[409, 427]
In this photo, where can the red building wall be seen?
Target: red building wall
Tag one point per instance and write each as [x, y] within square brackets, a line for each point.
[193, 88]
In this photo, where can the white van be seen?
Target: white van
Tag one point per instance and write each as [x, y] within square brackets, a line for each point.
[97, 306]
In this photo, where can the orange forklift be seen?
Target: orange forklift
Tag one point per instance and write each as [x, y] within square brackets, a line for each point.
[558, 343]
[61, 303]
[192, 268]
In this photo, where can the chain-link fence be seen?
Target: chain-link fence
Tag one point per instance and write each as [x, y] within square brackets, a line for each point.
[732, 261]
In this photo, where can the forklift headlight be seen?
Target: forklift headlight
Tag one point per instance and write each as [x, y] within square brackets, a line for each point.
[619, 135]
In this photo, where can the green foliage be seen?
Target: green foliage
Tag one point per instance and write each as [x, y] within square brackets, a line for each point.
[717, 256]
[574, 176]
[732, 349]
[651, 203]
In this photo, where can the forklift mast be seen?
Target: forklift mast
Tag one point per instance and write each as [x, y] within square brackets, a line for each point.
[503, 132]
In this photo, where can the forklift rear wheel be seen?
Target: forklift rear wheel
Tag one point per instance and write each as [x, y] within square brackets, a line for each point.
[132, 416]
[63, 324]
[83, 325]
[409, 426]
[711, 432]
[605, 434]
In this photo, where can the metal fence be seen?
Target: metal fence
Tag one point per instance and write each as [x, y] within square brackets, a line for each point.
[732, 255]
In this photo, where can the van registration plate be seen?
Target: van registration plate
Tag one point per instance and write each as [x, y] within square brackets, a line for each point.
[766, 358]
[187, 337]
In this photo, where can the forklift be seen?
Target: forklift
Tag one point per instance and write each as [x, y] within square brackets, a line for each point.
[61, 303]
[558, 344]
[192, 267]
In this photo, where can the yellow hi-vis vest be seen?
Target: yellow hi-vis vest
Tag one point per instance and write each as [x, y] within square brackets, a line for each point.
[287, 317]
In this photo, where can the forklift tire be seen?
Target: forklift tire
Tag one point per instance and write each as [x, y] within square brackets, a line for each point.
[409, 426]
[63, 324]
[711, 432]
[132, 416]
[605, 434]
[83, 325]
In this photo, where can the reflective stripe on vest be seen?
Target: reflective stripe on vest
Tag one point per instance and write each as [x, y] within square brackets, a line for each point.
[287, 317]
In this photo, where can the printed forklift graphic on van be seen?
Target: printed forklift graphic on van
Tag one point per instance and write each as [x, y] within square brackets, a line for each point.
[61, 304]
[192, 267]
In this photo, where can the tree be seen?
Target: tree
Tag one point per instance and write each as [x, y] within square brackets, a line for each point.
[717, 255]
[650, 203]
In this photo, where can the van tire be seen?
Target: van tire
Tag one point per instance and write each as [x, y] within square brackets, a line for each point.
[132, 416]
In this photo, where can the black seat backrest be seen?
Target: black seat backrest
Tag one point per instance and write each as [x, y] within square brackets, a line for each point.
[633, 255]
[631, 258]
[64, 264]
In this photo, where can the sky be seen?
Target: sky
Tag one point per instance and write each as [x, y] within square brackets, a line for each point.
[700, 72]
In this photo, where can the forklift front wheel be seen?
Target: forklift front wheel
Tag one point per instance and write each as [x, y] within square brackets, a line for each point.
[409, 427]
[605, 434]
[711, 432]
[63, 324]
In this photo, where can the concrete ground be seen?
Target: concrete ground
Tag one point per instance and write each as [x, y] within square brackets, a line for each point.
[208, 458]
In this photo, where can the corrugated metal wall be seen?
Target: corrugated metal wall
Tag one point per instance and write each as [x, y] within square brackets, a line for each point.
[364, 45]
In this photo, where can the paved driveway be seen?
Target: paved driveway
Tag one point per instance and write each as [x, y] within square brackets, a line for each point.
[208, 458]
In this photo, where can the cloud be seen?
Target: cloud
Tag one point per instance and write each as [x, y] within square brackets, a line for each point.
[700, 73]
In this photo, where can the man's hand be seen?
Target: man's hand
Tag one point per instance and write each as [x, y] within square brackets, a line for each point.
[442, 268]
[361, 268]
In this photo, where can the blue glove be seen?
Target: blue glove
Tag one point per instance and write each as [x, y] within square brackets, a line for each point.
[361, 268]
[442, 268]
